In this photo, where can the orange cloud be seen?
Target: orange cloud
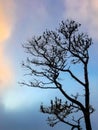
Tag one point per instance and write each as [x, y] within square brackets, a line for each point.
[6, 26]
[6, 19]
[5, 30]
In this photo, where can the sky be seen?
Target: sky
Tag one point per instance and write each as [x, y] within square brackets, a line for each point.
[19, 21]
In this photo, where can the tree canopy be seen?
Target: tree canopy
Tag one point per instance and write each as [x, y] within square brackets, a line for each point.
[54, 53]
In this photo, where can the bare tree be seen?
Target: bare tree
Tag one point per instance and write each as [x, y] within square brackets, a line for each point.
[55, 53]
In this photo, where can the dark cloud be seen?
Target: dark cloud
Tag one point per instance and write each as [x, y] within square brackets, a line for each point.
[24, 119]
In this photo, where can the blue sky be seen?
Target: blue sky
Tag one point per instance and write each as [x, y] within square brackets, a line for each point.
[19, 21]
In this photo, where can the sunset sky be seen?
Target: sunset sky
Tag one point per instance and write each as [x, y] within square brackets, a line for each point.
[19, 21]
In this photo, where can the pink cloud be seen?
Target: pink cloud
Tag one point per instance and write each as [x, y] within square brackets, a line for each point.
[84, 11]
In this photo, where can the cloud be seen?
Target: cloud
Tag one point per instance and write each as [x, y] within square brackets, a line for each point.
[40, 8]
[84, 11]
[25, 119]
[6, 26]
[6, 19]
[5, 70]
[33, 9]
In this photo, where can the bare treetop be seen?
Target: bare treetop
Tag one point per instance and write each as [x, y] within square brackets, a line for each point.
[50, 55]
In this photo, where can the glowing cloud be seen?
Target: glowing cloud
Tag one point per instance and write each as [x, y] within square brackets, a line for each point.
[6, 19]
[6, 25]
[5, 29]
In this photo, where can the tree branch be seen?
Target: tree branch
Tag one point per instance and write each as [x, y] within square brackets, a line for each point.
[36, 85]
[59, 86]
[74, 77]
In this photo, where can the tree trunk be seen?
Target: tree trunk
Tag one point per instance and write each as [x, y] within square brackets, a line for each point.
[87, 121]
[87, 100]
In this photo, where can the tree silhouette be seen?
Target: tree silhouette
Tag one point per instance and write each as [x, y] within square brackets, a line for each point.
[55, 53]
